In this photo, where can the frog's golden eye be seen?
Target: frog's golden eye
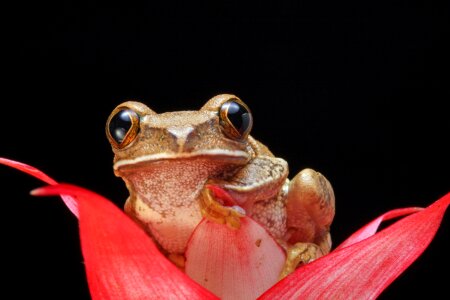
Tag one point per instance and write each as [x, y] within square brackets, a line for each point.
[236, 119]
[122, 127]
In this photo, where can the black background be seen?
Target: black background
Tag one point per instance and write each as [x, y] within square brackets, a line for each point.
[356, 91]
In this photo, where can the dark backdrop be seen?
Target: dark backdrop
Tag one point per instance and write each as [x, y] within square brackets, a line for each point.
[356, 91]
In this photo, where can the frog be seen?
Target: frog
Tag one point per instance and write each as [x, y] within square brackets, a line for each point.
[177, 164]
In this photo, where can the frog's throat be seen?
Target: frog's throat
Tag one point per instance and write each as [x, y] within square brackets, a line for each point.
[164, 193]
[237, 157]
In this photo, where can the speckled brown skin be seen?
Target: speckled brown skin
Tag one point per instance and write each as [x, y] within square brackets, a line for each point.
[175, 154]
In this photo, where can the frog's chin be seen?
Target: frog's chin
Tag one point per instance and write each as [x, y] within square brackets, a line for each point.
[220, 156]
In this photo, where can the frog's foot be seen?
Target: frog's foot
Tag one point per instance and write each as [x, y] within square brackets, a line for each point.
[213, 208]
[299, 254]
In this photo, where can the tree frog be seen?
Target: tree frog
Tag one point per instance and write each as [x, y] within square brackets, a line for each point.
[168, 161]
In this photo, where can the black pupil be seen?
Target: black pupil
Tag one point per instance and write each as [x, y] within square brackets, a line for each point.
[119, 125]
[239, 117]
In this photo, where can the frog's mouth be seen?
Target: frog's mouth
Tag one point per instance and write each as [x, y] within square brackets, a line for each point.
[216, 156]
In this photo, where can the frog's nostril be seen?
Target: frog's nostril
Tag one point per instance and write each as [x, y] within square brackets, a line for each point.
[180, 134]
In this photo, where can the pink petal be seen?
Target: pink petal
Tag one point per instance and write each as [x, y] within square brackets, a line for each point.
[68, 200]
[364, 269]
[121, 261]
[234, 263]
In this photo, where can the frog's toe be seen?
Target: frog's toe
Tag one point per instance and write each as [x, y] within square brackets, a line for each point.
[213, 210]
[300, 254]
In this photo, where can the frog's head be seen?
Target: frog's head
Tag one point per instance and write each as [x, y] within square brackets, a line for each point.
[218, 131]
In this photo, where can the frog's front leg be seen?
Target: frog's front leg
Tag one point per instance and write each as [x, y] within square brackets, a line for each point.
[258, 181]
[219, 212]
[310, 211]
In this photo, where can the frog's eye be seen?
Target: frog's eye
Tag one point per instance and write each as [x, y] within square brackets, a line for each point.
[122, 127]
[236, 119]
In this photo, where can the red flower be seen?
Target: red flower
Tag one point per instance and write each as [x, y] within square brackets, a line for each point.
[122, 262]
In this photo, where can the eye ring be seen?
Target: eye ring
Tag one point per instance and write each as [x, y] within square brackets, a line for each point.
[122, 127]
[236, 119]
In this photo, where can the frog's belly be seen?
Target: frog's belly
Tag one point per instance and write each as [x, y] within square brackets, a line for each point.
[166, 198]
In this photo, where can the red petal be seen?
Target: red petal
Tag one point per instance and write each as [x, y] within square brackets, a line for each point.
[364, 269]
[234, 263]
[68, 200]
[371, 228]
[221, 195]
[121, 261]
